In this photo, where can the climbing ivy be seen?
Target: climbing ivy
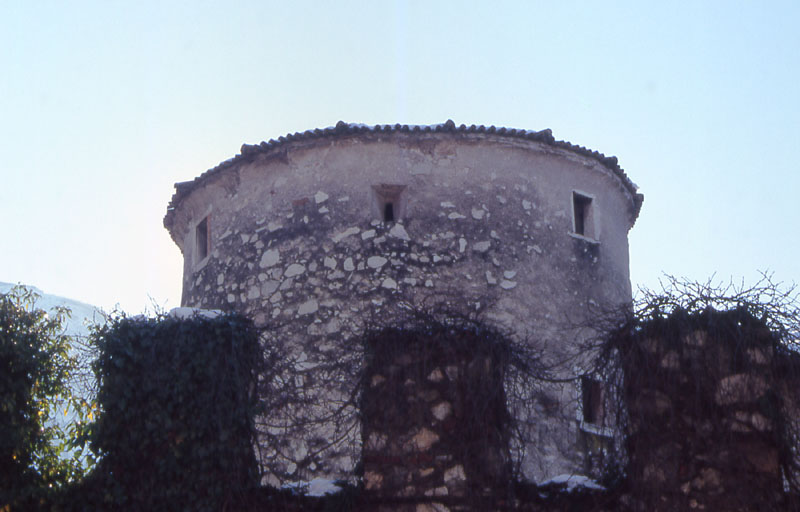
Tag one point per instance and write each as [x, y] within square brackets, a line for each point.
[177, 400]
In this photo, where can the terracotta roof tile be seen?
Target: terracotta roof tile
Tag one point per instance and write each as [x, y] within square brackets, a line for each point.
[249, 151]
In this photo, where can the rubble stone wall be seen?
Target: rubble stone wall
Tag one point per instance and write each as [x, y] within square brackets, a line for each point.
[434, 419]
[296, 239]
[705, 418]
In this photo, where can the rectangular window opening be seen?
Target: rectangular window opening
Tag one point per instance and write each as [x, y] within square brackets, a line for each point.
[390, 202]
[388, 212]
[201, 240]
[582, 213]
[592, 400]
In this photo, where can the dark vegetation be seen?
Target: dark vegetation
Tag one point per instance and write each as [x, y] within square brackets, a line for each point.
[37, 454]
[174, 422]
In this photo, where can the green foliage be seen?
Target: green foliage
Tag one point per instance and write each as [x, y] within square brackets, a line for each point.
[177, 403]
[37, 454]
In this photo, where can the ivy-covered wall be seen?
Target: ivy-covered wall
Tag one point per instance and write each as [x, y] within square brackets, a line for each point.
[177, 400]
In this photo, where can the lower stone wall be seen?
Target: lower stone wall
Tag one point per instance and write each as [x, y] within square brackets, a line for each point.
[434, 420]
[705, 417]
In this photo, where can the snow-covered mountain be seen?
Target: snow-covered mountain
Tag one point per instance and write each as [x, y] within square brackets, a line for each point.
[81, 314]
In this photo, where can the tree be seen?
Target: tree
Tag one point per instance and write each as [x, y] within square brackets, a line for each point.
[37, 453]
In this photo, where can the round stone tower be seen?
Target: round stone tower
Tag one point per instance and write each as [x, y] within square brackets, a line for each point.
[317, 232]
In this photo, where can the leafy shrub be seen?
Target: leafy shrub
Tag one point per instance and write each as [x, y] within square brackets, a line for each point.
[177, 401]
[36, 364]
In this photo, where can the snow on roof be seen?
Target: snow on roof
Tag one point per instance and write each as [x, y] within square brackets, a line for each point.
[572, 482]
[315, 487]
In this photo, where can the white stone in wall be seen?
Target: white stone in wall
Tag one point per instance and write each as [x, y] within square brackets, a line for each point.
[424, 439]
[436, 375]
[455, 216]
[376, 261]
[438, 491]
[398, 231]
[253, 293]
[462, 244]
[441, 410]
[447, 204]
[455, 474]
[338, 237]
[389, 284]
[482, 246]
[333, 327]
[295, 269]
[366, 235]
[308, 307]
[320, 197]
[269, 258]
[501, 199]
[477, 213]
[329, 262]
[527, 204]
[509, 274]
[220, 279]
[490, 278]
[507, 285]
[348, 265]
[269, 287]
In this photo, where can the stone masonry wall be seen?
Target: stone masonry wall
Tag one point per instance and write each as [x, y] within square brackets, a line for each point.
[434, 420]
[705, 417]
[296, 241]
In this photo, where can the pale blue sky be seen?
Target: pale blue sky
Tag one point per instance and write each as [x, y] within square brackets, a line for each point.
[104, 105]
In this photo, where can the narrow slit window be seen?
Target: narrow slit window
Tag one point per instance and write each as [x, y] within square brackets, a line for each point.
[389, 201]
[201, 240]
[582, 213]
[592, 400]
[388, 212]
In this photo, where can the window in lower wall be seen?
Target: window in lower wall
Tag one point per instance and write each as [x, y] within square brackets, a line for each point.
[592, 400]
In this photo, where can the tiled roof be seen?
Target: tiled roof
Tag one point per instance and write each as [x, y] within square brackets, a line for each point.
[249, 151]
